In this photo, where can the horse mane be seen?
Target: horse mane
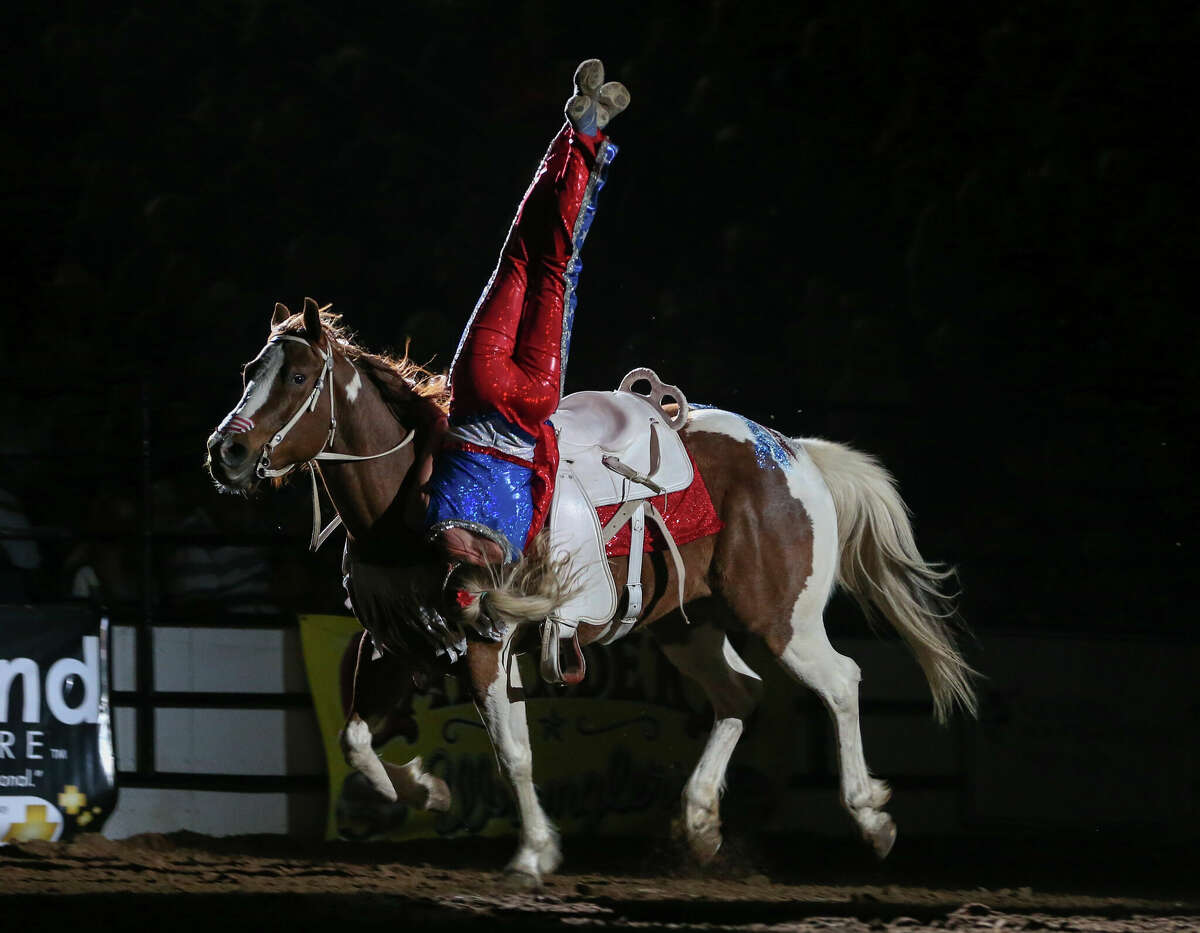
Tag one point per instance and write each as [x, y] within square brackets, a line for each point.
[402, 382]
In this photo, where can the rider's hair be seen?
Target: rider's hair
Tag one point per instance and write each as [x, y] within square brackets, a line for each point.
[527, 590]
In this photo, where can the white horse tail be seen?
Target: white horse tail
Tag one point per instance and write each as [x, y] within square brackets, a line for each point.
[882, 568]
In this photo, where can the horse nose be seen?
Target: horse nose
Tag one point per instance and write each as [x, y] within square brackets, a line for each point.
[233, 453]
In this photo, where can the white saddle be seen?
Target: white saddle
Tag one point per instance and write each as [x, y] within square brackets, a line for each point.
[614, 447]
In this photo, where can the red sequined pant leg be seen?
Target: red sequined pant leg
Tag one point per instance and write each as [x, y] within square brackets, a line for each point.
[509, 358]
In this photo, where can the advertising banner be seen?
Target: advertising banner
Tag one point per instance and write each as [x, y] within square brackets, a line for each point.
[57, 764]
[611, 755]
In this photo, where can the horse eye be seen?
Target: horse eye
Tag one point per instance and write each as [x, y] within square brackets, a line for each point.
[299, 378]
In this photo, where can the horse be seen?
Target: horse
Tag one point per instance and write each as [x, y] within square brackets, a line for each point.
[800, 516]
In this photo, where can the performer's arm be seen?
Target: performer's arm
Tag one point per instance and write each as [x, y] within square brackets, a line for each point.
[422, 470]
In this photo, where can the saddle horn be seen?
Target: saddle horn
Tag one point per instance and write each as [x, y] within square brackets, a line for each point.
[658, 392]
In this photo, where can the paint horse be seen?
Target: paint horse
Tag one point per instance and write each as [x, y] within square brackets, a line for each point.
[800, 516]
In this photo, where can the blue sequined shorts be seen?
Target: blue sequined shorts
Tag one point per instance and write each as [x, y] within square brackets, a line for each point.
[475, 488]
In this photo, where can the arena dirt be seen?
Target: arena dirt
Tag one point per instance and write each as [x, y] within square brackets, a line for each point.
[184, 882]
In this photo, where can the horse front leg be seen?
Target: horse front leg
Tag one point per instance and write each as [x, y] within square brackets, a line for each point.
[500, 698]
[372, 689]
[408, 783]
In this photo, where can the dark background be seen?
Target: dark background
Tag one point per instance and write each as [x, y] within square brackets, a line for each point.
[954, 237]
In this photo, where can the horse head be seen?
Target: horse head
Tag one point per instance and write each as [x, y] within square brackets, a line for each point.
[284, 417]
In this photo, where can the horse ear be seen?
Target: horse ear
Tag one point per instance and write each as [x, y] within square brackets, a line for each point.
[312, 320]
[281, 314]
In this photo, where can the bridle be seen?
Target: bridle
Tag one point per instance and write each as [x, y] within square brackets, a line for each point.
[263, 469]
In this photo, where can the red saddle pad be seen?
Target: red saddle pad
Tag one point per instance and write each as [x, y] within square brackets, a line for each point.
[689, 514]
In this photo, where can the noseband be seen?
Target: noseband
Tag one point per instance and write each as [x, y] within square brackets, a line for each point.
[263, 469]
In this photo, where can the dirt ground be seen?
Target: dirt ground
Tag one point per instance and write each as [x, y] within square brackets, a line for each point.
[184, 882]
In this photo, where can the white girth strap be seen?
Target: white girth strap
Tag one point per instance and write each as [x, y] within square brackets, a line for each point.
[264, 470]
[633, 580]
[634, 512]
[681, 571]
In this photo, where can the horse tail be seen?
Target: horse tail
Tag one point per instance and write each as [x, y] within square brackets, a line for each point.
[883, 570]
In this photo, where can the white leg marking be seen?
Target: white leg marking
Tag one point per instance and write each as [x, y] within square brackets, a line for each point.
[409, 783]
[733, 688]
[810, 658]
[355, 741]
[538, 850]
[702, 793]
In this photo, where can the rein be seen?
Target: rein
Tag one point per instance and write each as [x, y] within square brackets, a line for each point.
[263, 469]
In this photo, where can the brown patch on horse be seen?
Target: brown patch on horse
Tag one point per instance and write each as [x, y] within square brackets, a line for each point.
[483, 660]
[757, 565]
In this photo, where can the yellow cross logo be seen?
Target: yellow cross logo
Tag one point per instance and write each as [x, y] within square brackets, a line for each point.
[71, 800]
[34, 828]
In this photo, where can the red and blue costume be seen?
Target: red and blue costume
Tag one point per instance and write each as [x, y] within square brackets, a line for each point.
[495, 473]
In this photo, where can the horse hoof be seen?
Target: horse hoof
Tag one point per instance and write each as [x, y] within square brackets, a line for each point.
[521, 880]
[438, 793]
[549, 860]
[704, 847]
[883, 837]
[702, 844]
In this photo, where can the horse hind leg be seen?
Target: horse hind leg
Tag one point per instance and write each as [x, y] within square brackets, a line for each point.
[811, 659]
[706, 656]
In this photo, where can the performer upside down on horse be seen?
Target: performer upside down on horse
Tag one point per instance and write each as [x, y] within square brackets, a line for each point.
[491, 482]
[793, 518]
[485, 474]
